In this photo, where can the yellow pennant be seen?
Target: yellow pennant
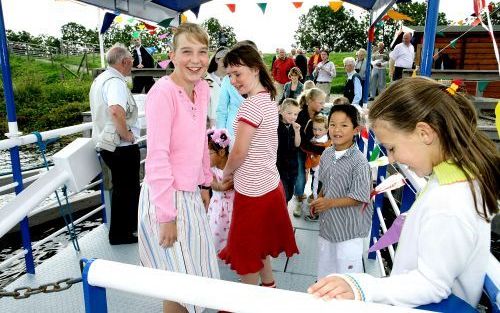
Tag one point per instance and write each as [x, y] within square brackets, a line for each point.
[118, 19]
[336, 5]
[184, 19]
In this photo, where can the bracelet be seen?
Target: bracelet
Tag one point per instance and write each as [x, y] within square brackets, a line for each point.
[204, 187]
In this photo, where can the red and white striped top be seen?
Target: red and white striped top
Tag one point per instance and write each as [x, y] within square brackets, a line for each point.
[258, 174]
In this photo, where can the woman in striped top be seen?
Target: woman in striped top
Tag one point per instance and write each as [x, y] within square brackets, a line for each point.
[260, 225]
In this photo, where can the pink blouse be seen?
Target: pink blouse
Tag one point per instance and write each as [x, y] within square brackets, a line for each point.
[177, 148]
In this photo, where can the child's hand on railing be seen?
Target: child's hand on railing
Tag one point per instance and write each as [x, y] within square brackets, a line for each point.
[332, 287]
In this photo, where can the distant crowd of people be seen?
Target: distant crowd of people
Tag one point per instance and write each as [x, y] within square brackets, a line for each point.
[230, 143]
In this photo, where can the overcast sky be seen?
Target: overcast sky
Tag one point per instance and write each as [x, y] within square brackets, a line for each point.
[273, 29]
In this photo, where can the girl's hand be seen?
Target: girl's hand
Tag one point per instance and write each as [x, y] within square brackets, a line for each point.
[205, 197]
[331, 287]
[320, 205]
[227, 177]
[168, 234]
[296, 126]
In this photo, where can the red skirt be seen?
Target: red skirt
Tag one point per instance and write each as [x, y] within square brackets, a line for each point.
[260, 226]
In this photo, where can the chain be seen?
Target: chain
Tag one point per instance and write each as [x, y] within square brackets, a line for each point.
[25, 292]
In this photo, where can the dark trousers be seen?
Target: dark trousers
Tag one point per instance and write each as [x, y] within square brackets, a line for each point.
[124, 164]
[142, 82]
[398, 73]
[288, 184]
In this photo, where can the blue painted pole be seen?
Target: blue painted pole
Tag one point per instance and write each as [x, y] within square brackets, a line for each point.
[14, 132]
[94, 297]
[429, 37]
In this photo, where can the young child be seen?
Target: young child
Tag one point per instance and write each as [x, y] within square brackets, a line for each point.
[320, 139]
[309, 84]
[311, 102]
[444, 245]
[220, 208]
[346, 183]
[260, 226]
[174, 234]
[288, 143]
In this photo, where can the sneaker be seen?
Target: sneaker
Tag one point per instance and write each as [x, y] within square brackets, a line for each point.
[311, 218]
[297, 211]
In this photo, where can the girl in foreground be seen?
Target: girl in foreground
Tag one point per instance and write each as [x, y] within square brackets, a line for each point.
[445, 242]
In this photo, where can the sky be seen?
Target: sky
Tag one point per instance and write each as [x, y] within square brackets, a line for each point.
[273, 29]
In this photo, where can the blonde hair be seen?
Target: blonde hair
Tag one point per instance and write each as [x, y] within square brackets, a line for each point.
[192, 31]
[289, 102]
[309, 95]
[341, 100]
[321, 119]
[411, 100]
[309, 84]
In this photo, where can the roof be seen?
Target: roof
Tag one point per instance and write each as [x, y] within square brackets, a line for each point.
[455, 29]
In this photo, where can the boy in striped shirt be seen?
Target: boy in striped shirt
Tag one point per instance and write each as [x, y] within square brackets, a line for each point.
[344, 221]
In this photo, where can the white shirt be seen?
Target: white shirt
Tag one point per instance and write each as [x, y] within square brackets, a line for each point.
[139, 54]
[403, 55]
[444, 248]
[358, 90]
[326, 72]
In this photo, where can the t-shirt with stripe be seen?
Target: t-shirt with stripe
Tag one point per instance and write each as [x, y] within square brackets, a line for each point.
[345, 176]
[258, 173]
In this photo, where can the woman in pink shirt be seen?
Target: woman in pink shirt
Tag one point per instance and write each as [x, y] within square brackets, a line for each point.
[174, 233]
[260, 225]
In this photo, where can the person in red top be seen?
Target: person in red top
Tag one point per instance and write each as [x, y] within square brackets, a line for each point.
[281, 66]
[313, 61]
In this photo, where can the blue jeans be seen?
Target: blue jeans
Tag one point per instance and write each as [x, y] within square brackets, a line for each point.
[300, 182]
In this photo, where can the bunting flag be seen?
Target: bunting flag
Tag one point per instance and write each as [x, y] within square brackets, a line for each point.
[184, 18]
[166, 22]
[131, 20]
[297, 5]
[136, 34]
[151, 50]
[460, 23]
[453, 43]
[141, 26]
[196, 11]
[482, 85]
[391, 236]
[382, 161]
[148, 26]
[375, 153]
[390, 183]
[152, 32]
[440, 34]
[397, 16]
[497, 119]
[231, 7]
[262, 6]
[119, 19]
[336, 5]
[476, 22]
[163, 64]
[107, 21]
[162, 36]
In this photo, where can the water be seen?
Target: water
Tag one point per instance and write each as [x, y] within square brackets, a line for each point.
[11, 244]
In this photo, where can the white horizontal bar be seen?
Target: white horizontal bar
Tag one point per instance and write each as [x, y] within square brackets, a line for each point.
[206, 292]
[9, 186]
[17, 256]
[14, 211]
[53, 203]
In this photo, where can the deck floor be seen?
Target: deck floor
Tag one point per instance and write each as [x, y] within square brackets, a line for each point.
[296, 273]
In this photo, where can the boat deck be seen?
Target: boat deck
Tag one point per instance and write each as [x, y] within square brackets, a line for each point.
[295, 273]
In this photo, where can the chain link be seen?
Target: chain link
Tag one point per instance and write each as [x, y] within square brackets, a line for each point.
[26, 292]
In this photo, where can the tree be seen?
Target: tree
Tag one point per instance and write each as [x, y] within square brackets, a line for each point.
[75, 33]
[335, 31]
[417, 11]
[220, 35]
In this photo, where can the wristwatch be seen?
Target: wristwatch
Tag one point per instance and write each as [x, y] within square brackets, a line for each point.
[204, 187]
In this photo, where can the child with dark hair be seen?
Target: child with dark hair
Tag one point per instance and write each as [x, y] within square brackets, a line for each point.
[288, 143]
[444, 246]
[220, 208]
[345, 176]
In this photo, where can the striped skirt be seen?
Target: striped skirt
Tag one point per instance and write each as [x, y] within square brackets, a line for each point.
[193, 253]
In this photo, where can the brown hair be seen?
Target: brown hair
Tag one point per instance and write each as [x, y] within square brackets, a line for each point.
[192, 31]
[341, 100]
[247, 55]
[454, 119]
[310, 94]
[320, 119]
[295, 71]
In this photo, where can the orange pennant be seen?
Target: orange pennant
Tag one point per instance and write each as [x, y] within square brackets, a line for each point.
[395, 15]
[476, 22]
[336, 5]
[184, 18]
[297, 4]
[231, 7]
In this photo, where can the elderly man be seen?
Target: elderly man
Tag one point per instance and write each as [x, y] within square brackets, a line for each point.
[142, 59]
[352, 89]
[281, 67]
[401, 57]
[114, 115]
[379, 62]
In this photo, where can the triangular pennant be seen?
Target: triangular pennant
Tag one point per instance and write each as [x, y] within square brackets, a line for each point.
[136, 34]
[476, 22]
[118, 19]
[440, 34]
[453, 43]
[262, 6]
[482, 85]
[382, 161]
[231, 7]
[151, 50]
[163, 64]
[391, 236]
[196, 11]
[335, 5]
[148, 26]
[375, 153]
[162, 36]
[460, 23]
[184, 18]
[152, 32]
[107, 21]
[297, 4]
[166, 22]
[141, 26]
[131, 20]
[395, 15]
